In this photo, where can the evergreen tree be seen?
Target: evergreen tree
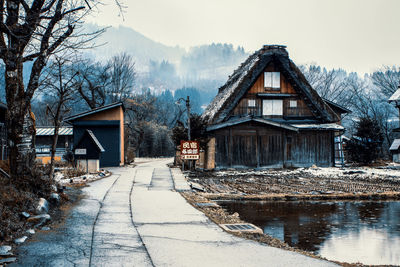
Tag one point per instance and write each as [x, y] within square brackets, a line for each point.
[365, 146]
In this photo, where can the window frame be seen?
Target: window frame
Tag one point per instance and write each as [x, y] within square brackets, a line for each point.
[272, 107]
[293, 101]
[251, 101]
[272, 80]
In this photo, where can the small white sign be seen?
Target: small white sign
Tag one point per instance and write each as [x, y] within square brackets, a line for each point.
[80, 151]
[190, 157]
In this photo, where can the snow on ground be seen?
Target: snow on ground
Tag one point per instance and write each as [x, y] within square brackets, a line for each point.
[61, 179]
[392, 170]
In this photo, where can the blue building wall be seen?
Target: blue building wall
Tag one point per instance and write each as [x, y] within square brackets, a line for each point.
[108, 134]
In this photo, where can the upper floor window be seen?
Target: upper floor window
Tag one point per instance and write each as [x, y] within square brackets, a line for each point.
[272, 80]
[251, 103]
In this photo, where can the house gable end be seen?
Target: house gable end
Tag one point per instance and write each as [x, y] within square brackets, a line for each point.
[292, 81]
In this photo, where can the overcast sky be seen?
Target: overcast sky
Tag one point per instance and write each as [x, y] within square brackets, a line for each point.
[357, 35]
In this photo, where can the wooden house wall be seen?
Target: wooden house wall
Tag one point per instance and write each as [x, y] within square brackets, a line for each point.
[302, 110]
[261, 146]
[258, 86]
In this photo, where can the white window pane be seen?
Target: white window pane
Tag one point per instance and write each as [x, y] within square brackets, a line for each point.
[267, 107]
[277, 107]
[268, 79]
[273, 107]
[276, 80]
[272, 80]
[293, 103]
[251, 103]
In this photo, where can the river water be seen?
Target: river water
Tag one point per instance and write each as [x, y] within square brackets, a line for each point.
[347, 231]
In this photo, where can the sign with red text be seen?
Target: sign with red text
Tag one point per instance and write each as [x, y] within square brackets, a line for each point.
[190, 150]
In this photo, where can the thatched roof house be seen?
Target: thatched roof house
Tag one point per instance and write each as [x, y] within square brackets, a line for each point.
[268, 115]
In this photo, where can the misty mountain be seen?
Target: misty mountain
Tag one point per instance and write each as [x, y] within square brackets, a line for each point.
[142, 49]
[161, 67]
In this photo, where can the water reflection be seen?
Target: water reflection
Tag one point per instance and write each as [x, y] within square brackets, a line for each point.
[350, 231]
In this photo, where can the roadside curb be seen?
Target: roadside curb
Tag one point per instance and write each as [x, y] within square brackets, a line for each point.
[180, 181]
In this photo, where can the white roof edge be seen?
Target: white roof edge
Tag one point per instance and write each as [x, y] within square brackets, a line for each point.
[395, 96]
[322, 126]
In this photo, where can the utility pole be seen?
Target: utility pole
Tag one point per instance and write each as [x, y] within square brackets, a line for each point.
[188, 115]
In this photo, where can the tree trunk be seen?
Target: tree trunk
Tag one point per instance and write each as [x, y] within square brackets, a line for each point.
[53, 149]
[20, 123]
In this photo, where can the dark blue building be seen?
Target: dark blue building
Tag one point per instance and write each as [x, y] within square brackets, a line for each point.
[107, 125]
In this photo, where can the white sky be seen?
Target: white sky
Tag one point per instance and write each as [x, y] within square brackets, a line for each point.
[357, 35]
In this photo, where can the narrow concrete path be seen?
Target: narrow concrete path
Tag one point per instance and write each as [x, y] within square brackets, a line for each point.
[98, 232]
[176, 234]
[136, 218]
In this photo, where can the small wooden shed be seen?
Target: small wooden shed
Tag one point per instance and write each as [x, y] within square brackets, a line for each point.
[87, 152]
[107, 124]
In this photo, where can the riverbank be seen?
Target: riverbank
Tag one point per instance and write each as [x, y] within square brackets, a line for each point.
[380, 183]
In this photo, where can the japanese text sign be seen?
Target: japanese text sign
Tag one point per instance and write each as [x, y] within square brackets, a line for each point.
[190, 150]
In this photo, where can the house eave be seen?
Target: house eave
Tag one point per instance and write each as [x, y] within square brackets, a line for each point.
[249, 119]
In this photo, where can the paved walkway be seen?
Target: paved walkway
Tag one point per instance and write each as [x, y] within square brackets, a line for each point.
[135, 218]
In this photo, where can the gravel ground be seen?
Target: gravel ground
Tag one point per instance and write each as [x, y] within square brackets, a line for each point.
[317, 183]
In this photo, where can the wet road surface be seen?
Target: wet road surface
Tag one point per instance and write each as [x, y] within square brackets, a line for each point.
[135, 218]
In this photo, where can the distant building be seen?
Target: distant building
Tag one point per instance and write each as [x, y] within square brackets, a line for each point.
[395, 147]
[106, 125]
[44, 141]
[268, 115]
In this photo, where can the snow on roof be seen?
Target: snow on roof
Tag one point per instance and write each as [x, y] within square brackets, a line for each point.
[46, 131]
[395, 145]
[230, 88]
[395, 96]
[322, 126]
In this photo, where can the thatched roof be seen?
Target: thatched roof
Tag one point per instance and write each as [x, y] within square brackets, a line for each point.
[246, 75]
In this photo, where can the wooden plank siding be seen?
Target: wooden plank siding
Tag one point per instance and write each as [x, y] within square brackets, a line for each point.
[257, 146]
[258, 86]
[302, 110]
[243, 109]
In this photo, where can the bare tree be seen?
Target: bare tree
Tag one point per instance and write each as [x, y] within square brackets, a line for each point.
[33, 30]
[330, 84]
[387, 80]
[121, 71]
[58, 84]
[92, 81]
[366, 103]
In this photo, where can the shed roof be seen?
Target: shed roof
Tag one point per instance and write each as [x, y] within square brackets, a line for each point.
[93, 111]
[395, 145]
[246, 75]
[49, 130]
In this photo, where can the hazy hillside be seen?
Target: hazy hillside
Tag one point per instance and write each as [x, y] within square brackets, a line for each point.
[161, 67]
[143, 49]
